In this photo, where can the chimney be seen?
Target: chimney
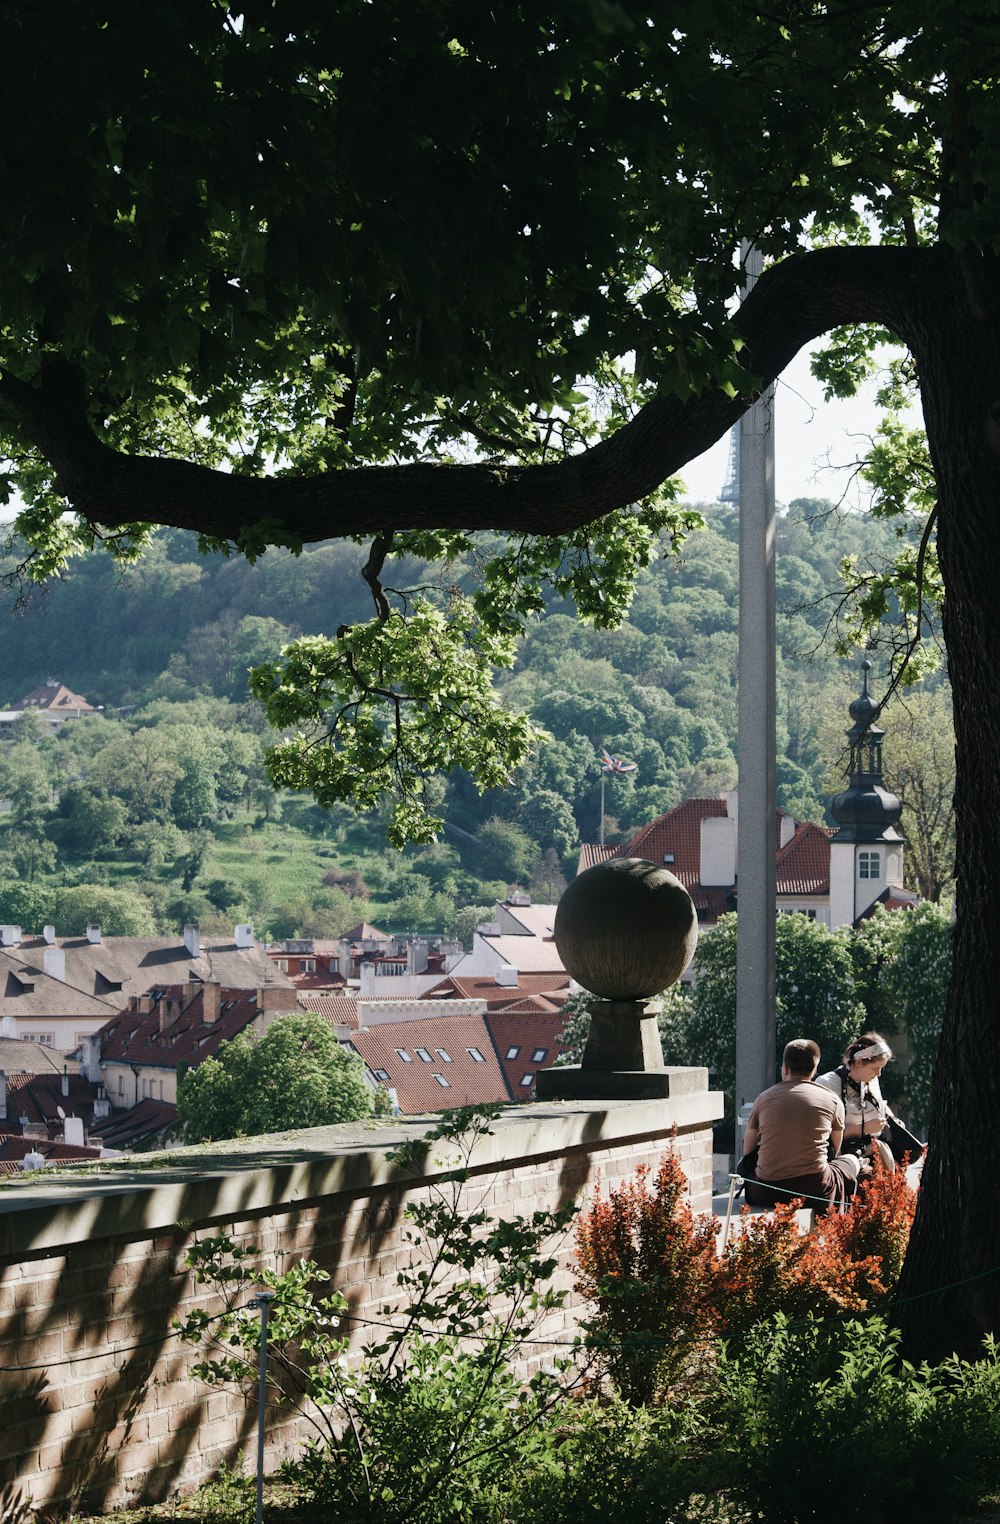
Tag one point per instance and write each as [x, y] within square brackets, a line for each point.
[3, 1096]
[243, 936]
[73, 1131]
[92, 1057]
[49, 935]
[64, 1083]
[211, 1002]
[417, 956]
[275, 997]
[786, 830]
[506, 977]
[54, 963]
[10, 936]
[94, 935]
[192, 940]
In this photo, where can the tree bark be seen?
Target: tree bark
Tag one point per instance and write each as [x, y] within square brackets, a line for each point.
[949, 1296]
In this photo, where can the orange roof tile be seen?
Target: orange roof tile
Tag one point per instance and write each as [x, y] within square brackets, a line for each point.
[526, 1041]
[460, 1068]
[803, 864]
[134, 1036]
[485, 987]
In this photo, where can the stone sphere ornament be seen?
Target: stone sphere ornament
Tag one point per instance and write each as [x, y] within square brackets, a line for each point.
[626, 929]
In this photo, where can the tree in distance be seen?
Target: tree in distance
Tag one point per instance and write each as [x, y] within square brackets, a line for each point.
[296, 1075]
[390, 272]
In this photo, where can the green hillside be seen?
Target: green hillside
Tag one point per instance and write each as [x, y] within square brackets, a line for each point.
[161, 806]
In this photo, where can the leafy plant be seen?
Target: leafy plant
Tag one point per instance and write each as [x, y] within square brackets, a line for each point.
[427, 1421]
[820, 1422]
[648, 1266]
[607, 1460]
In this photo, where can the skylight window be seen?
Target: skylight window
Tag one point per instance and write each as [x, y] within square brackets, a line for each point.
[475, 1055]
[402, 1053]
[423, 1054]
[445, 1084]
[444, 1055]
[527, 1079]
[513, 1052]
[539, 1056]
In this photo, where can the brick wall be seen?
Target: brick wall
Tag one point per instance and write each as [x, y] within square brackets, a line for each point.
[96, 1404]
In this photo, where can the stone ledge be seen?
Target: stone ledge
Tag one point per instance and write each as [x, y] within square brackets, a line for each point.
[233, 1180]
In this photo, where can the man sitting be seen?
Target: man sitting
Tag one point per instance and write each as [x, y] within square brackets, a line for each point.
[794, 1125]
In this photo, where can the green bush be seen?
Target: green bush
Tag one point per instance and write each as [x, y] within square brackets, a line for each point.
[604, 1461]
[821, 1422]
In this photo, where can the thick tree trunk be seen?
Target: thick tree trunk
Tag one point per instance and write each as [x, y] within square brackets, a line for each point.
[949, 1296]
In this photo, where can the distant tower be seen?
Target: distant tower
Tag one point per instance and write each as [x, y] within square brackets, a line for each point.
[866, 854]
[731, 486]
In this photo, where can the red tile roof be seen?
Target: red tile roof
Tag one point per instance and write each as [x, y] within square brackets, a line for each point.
[54, 695]
[13, 1148]
[39, 1098]
[532, 1038]
[678, 832]
[340, 1010]
[485, 987]
[123, 1128]
[803, 865]
[450, 1043]
[134, 1036]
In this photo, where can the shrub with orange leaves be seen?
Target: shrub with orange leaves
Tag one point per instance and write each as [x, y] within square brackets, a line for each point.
[770, 1266]
[846, 1263]
[876, 1228]
[648, 1265]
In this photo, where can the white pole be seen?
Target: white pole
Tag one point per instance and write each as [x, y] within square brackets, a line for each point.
[756, 836]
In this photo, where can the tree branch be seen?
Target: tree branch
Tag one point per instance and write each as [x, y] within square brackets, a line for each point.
[792, 303]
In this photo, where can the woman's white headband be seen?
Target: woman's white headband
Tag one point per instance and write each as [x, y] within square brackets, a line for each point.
[876, 1050]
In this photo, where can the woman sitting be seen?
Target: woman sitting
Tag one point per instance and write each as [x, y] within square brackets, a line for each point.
[855, 1081]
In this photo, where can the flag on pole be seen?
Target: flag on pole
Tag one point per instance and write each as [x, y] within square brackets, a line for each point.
[610, 764]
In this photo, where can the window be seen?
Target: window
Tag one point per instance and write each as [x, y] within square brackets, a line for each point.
[121, 1084]
[444, 1055]
[44, 1038]
[527, 1079]
[392, 968]
[282, 964]
[475, 1055]
[539, 1056]
[79, 1037]
[423, 1054]
[869, 865]
[402, 1053]
[383, 1075]
[512, 1052]
[307, 965]
[333, 965]
[445, 1084]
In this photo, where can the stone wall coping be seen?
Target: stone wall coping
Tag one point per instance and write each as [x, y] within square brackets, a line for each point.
[234, 1180]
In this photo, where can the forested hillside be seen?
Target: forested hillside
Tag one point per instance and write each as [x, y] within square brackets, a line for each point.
[158, 811]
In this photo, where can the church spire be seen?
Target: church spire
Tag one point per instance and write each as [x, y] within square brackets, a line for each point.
[866, 810]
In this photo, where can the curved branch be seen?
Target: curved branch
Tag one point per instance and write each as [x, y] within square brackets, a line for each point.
[791, 304]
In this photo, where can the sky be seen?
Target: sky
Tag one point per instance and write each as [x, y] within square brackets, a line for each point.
[815, 444]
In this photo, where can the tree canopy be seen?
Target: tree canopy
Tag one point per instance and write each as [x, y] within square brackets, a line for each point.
[278, 272]
[296, 1075]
